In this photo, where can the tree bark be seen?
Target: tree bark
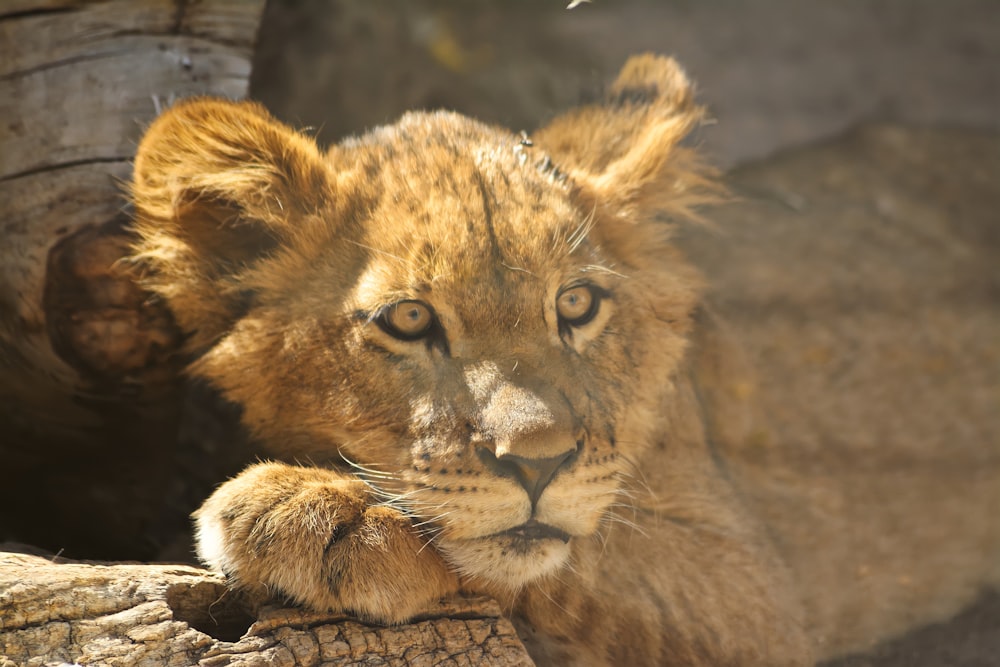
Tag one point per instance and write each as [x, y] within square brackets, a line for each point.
[89, 364]
[139, 615]
[79, 81]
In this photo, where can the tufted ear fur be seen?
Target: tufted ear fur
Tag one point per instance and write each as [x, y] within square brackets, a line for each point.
[622, 151]
[217, 186]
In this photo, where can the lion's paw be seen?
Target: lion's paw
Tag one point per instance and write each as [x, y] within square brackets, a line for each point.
[316, 537]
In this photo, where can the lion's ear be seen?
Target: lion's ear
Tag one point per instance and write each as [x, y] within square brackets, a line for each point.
[217, 186]
[623, 149]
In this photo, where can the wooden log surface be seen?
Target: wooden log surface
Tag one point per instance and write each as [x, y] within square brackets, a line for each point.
[79, 81]
[89, 370]
[130, 614]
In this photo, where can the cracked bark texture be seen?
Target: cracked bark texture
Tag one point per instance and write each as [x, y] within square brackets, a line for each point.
[120, 614]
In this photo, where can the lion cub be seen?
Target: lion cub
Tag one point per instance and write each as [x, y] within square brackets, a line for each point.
[484, 344]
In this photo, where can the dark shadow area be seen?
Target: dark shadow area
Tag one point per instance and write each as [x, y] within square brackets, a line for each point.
[211, 609]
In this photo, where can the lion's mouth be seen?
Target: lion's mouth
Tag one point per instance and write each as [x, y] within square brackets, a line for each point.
[534, 530]
[513, 557]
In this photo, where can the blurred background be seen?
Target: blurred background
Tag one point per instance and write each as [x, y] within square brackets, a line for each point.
[773, 73]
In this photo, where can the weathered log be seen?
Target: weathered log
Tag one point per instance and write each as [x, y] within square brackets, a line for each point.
[88, 362]
[78, 83]
[121, 614]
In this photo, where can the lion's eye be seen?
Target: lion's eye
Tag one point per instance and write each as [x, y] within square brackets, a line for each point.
[578, 305]
[407, 320]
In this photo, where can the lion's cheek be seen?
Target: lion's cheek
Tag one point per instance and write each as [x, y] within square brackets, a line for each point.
[577, 508]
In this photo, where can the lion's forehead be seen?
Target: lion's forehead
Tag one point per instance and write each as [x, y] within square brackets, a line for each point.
[448, 185]
[470, 221]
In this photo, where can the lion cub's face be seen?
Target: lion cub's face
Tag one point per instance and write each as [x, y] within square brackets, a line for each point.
[481, 324]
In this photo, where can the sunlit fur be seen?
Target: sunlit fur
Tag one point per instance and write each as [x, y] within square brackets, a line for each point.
[279, 260]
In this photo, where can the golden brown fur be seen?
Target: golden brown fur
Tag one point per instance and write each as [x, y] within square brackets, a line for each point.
[284, 263]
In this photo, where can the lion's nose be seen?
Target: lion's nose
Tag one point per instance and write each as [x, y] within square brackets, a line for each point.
[532, 474]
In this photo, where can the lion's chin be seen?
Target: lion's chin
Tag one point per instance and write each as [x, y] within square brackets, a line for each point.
[510, 559]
